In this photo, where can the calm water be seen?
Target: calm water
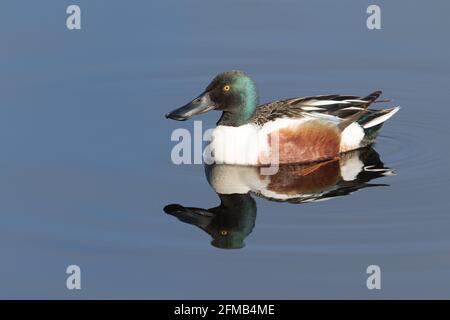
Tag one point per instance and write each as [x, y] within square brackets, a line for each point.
[85, 151]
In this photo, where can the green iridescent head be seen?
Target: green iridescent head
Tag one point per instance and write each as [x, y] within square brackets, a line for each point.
[232, 92]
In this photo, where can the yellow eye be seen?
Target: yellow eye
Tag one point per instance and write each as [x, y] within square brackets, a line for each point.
[226, 88]
[224, 232]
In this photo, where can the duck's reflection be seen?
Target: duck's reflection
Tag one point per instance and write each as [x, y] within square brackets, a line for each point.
[233, 220]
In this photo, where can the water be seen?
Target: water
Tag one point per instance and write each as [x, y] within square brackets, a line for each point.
[86, 170]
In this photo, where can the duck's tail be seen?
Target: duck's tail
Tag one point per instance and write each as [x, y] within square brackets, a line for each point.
[374, 118]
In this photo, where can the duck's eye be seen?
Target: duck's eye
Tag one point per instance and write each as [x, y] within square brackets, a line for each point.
[226, 88]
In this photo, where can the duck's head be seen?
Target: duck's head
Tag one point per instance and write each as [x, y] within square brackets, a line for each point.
[232, 92]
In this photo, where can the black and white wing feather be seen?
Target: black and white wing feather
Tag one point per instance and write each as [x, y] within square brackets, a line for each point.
[340, 106]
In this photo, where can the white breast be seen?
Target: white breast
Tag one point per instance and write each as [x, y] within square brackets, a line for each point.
[235, 145]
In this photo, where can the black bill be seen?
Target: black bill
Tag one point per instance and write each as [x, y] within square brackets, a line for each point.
[199, 105]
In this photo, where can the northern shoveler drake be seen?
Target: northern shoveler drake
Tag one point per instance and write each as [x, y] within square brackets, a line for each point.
[296, 130]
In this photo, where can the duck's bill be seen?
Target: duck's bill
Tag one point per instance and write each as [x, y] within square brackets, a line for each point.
[199, 105]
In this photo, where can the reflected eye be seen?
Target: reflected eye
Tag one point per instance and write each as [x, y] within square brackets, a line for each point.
[224, 232]
[226, 88]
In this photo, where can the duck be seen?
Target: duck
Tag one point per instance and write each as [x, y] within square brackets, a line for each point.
[233, 220]
[295, 130]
